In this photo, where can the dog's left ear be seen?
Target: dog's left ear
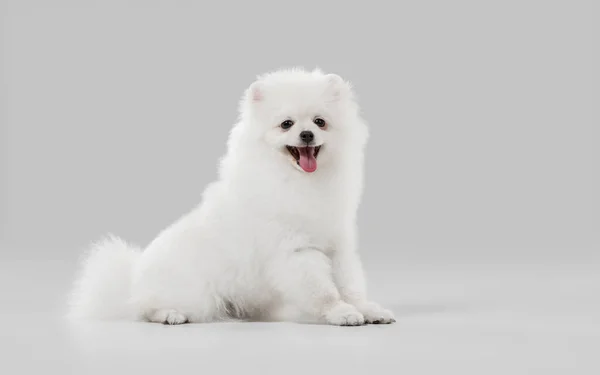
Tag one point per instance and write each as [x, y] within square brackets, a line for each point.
[337, 87]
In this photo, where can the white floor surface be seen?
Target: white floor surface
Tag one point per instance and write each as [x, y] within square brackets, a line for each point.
[454, 317]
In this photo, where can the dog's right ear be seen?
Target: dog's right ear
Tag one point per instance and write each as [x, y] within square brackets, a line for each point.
[255, 92]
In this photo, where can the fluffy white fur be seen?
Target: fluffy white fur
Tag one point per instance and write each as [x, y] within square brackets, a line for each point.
[269, 241]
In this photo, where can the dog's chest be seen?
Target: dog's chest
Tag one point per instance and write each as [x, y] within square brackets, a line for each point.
[312, 224]
[299, 212]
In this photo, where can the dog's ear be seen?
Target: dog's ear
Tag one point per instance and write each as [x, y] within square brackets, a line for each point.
[255, 92]
[335, 80]
[336, 86]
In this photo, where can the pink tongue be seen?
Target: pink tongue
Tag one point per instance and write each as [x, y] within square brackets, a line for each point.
[307, 159]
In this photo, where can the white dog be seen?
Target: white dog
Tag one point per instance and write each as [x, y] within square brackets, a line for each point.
[274, 238]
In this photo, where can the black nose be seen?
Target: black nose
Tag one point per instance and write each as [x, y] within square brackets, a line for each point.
[307, 136]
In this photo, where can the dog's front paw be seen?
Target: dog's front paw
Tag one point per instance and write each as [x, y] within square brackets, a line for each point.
[344, 314]
[168, 316]
[375, 314]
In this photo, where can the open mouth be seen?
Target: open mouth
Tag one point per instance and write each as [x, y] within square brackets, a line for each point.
[306, 157]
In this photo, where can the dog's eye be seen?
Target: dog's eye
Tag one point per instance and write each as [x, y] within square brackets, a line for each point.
[319, 122]
[287, 124]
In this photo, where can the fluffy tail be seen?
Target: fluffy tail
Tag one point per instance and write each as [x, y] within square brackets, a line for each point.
[102, 287]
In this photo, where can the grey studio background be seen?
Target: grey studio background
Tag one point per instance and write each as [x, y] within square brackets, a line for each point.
[477, 224]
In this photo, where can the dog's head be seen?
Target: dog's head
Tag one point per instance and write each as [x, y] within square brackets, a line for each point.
[308, 118]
